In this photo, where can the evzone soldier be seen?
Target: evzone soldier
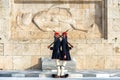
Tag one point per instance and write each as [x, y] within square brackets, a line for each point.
[60, 53]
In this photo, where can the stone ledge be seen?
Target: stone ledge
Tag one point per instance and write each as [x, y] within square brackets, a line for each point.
[49, 64]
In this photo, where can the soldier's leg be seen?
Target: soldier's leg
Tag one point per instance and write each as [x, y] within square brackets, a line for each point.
[58, 67]
[63, 68]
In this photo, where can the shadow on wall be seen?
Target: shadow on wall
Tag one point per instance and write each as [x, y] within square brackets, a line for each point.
[38, 66]
[98, 16]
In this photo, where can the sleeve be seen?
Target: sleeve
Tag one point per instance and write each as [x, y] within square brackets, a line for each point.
[64, 45]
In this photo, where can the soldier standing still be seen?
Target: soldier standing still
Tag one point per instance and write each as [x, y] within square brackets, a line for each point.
[61, 53]
[65, 53]
[56, 52]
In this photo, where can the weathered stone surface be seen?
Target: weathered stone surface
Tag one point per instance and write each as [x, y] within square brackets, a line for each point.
[115, 25]
[114, 12]
[94, 41]
[26, 31]
[6, 62]
[22, 49]
[8, 49]
[114, 37]
[116, 61]
[80, 62]
[49, 64]
[57, 17]
[91, 62]
[4, 29]
[116, 49]
[1, 48]
[109, 62]
[98, 62]
[83, 49]
[36, 62]
[21, 62]
[45, 51]
[104, 49]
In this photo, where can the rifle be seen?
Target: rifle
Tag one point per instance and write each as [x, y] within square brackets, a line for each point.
[53, 42]
[70, 44]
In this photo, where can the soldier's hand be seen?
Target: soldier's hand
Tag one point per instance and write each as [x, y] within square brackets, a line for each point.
[64, 56]
[71, 46]
[48, 46]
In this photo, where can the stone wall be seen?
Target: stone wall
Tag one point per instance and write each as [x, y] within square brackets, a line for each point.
[26, 31]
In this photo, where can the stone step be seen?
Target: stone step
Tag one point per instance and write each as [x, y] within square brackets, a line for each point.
[72, 74]
[50, 64]
[39, 78]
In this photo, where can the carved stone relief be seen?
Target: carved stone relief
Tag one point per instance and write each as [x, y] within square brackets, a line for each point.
[55, 18]
[61, 18]
[24, 19]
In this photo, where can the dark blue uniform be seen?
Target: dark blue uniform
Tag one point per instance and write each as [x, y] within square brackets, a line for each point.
[61, 49]
[65, 50]
[56, 49]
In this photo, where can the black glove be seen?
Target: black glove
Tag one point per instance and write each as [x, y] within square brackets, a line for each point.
[51, 48]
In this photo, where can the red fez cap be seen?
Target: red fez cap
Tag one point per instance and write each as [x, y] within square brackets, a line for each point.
[64, 33]
[56, 33]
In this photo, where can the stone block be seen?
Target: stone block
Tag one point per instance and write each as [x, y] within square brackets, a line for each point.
[32, 75]
[116, 48]
[18, 75]
[4, 4]
[116, 61]
[84, 49]
[77, 41]
[45, 51]
[109, 63]
[94, 60]
[110, 3]
[73, 35]
[26, 49]
[5, 75]
[36, 62]
[113, 12]
[115, 25]
[4, 13]
[6, 62]
[1, 48]
[80, 62]
[8, 49]
[50, 64]
[115, 3]
[94, 41]
[104, 49]
[76, 75]
[102, 75]
[113, 37]
[21, 62]
[110, 23]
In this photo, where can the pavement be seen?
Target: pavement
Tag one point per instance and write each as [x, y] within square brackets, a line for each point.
[73, 75]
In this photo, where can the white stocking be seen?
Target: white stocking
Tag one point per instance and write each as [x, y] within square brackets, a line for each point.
[63, 68]
[58, 67]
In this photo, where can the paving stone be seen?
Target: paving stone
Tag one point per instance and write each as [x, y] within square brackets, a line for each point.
[5, 75]
[18, 75]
